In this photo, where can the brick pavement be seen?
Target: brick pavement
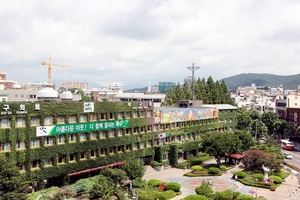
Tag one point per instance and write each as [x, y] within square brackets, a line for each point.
[289, 190]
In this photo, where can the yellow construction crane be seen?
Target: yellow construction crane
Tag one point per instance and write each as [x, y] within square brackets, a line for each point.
[49, 64]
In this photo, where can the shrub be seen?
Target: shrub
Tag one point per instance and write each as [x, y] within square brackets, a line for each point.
[154, 182]
[139, 183]
[204, 189]
[155, 163]
[196, 197]
[276, 179]
[240, 174]
[202, 154]
[245, 197]
[173, 186]
[223, 167]
[226, 194]
[197, 168]
[260, 177]
[214, 170]
[169, 194]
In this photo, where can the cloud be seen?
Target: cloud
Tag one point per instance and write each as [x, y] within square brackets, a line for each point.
[134, 42]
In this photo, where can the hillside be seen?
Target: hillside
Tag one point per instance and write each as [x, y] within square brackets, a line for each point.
[290, 82]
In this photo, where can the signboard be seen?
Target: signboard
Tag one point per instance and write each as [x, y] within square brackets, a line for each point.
[88, 107]
[80, 127]
[184, 114]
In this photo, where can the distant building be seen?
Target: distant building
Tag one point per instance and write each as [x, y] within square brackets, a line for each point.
[79, 85]
[4, 83]
[164, 87]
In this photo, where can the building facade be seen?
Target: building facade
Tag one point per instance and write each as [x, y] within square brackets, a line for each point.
[65, 141]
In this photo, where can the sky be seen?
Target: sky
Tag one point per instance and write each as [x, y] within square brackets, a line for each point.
[136, 41]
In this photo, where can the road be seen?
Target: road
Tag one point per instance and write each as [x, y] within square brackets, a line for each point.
[296, 157]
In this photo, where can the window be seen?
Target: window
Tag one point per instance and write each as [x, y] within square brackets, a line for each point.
[120, 149]
[128, 131]
[35, 121]
[119, 132]
[93, 153]
[21, 167]
[103, 151]
[82, 136]
[93, 117]
[120, 115]
[142, 145]
[128, 147]
[154, 127]
[83, 118]
[93, 136]
[48, 120]
[136, 130]
[34, 164]
[61, 159]
[20, 122]
[127, 115]
[149, 128]
[72, 157]
[111, 116]
[149, 113]
[61, 120]
[111, 133]
[48, 161]
[48, 140]
[135, 146]
[72, 119]
[149, 143]
[103, 116]
[20, 144]
[5, 146]
[35, 142]
[5, 123]
[72, 138]
[142, 113]
[60, 139]
[135, 114]
[102, 134]
[112, 150]
[82, 155]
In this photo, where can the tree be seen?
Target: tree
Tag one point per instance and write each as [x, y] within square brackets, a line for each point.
[12, 184]
[283, 128]
[269, 118]
[243, 119]
[254, 159]
[134, 168]
[103, 188]
[258, 129]
[246, 139]
[221, 144]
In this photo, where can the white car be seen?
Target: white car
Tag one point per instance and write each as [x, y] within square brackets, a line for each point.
[288, 155]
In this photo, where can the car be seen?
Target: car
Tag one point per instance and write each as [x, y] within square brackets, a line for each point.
[288, 155]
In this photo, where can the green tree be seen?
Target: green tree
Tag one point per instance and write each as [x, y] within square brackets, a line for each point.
[283, 128]
[103, 188]
[134, 168]
[246, 139]
[115, 175]
[243, 119]
[258, 129]
[221, 144]
[269, 118]
[12, 185]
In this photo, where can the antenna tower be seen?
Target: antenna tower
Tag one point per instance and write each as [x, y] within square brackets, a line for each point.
[193, 68]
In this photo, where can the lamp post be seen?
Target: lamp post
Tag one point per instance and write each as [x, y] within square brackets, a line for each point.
[256, 180]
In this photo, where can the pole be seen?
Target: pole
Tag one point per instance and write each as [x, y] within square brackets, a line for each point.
[256, 180]
[193, 69]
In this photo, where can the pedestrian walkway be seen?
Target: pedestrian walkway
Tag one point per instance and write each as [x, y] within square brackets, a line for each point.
[289, 190]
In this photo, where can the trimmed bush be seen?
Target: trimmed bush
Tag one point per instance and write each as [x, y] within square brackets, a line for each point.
[169, 194]
[196, 197]
[154, 182]
[276, 179]
[202, 154]
[240, 174]
[245, 197]
[155, 163]
[139, 183]
[204, 189]
[214, 170]
[260, 177]
[173, 186]
[226, 194]
[223, 167]
[197, 168]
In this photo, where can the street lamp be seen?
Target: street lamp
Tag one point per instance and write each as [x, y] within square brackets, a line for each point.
[256, 180]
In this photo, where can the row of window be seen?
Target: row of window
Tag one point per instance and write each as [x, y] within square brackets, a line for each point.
[61, 139]
[48, 120]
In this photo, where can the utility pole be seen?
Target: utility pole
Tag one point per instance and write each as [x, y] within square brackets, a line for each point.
[193, 69]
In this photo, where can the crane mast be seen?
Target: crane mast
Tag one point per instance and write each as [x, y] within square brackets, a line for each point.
[49, 65]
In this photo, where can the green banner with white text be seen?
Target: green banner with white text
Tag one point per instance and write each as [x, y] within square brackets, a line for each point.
[80, 127]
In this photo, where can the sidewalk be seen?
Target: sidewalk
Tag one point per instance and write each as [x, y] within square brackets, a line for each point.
[289, 190]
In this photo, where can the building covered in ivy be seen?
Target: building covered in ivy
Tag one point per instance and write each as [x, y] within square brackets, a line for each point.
[63, 141]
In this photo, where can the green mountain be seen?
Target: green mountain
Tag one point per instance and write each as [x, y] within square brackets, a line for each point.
[290, 82]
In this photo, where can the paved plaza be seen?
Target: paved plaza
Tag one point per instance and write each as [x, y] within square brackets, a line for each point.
[289, 190]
